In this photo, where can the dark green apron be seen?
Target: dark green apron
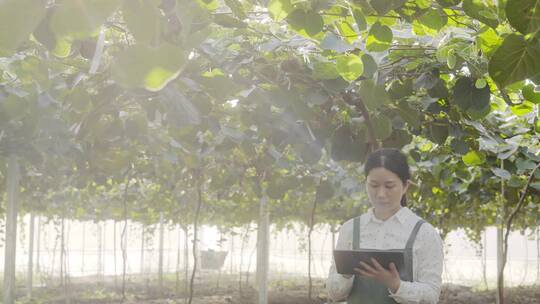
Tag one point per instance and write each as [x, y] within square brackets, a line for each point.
[368, 291]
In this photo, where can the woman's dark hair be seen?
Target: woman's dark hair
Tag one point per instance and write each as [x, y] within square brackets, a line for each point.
[392, 160]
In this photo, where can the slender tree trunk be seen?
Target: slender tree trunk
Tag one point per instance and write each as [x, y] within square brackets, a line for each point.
[263, 244]
[231, 254]
[124, 238]
[142, 249]
[195, 229]
[500, 253]
[29, 276]
[124, 243]
[242, 247]
[38, 246]
[83, 245]
[484, 261]
[310, 231]
[160, 259]
[13, 178]
[114, 256]
[99, 235]
[178, 255]
[537, 254]
[186, 263]
[103, 252]
[62, 260]
[67, 280]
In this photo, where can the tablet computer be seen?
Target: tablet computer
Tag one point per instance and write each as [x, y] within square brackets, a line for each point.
[347, 260]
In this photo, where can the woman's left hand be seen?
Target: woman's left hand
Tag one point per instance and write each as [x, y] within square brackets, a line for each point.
[389, 277]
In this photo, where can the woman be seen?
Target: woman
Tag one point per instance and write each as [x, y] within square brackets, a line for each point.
[389, 224]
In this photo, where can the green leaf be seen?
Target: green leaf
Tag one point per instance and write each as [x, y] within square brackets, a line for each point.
[210, 5]
[459, 146]
[475, 9]
[370, 66]
[229, 21]
[346, 31]
[360, 19]
[372, 94]
[325, 191]
[438, 132]
[18, 18]
[143, 19]
[146, 67]
[81, 19]
[305, 23]
[350, 67]
[347, 145]
[411, 116]
[480, 83]
[474, 158]
[504, 174]
[383, 126]
[332, 42]
[384, 6]
[530, 94]
[448, 3]
[451, 59]
[524, 15]
[379, 38]
[324, 70]
[279, 9]
[488, 40]
[439, 90]
[434, 19]
[515, 60]
[236, 8]
[399, 89]
[521, 109]
[468, 97]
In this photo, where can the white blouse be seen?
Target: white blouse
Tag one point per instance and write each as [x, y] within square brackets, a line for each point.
[393, 234]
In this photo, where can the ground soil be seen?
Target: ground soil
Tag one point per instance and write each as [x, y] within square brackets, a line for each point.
[211, 289]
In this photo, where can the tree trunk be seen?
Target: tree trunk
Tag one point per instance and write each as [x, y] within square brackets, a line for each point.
[103, 251]
[142, 250]
[186, 262]
[114, 256]
[484, 260]
[99, 235]
[310, 231]
[178, 254]
[195, 228]
[500, 246]
[537, 254]
[160, 260]
[231, 255]
[500, 274]
[13, 178]
[62, 259]
[38, 246]
[242, 247]
[124, 237]
[263, 249]
[124, 244]
[29, 276]
[83, 245]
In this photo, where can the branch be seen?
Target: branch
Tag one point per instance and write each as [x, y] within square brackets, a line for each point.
[362, 107]
[505, 96]
[511, 218]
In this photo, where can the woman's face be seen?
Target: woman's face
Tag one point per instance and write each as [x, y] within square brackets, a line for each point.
[385, 189]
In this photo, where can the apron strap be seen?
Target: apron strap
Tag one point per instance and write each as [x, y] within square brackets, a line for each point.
[414, 232]
[407, 274]
[356, 233]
